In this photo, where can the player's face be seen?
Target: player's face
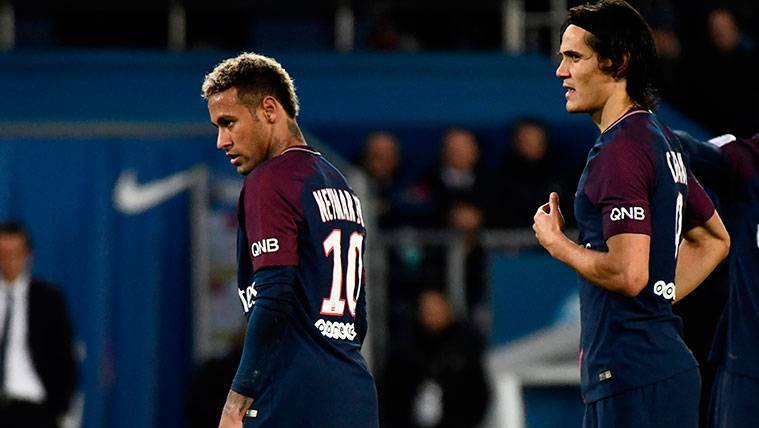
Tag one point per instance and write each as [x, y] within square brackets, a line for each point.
[242, 134]
[588, 87]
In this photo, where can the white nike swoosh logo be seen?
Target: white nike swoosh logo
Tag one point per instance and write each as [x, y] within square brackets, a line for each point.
[130, 197]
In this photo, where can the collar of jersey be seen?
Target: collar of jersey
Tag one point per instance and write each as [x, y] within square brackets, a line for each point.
[302, 148]
[630, 112]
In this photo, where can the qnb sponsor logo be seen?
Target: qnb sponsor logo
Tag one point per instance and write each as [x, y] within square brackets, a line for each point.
[248, 297]
[665, 289]
[336, 330]
[632, 213]
[270, 245]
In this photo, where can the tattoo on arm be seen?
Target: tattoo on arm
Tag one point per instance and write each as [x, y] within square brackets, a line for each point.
[237, 404]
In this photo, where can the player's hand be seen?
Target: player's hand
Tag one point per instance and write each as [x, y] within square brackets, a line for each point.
[229, 421]
[234, 410]
[549, 222]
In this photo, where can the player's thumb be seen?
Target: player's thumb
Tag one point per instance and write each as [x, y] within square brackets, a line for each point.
[553, 201]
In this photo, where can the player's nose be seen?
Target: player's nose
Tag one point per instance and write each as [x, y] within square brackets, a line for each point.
[223, 140]
[562, 71]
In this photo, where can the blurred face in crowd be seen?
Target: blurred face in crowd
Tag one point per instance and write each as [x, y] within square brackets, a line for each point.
[530, 142]
[381, 155]
[465, 217]
[460, 150]
[588, 88]
[245, 134]
[723, 30]
[14, 256]
[434, 311]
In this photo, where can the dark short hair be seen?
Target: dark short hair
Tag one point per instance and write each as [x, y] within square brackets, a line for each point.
[15, 228]
[255, 76]
[618, 31]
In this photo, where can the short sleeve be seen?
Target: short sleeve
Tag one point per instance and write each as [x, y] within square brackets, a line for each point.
[618, 184]
[699, 207]
[272, 217]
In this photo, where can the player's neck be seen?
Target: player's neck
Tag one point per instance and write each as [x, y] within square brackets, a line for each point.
[615, 107]
[288, 136]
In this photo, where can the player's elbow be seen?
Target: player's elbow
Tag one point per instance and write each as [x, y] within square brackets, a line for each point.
[723, 246]
[633, 281]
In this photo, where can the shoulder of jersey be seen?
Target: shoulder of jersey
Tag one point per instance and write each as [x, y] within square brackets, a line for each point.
[282, 166]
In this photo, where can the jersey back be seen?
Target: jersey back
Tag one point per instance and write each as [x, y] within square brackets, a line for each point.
[298, 210]
[635, 181]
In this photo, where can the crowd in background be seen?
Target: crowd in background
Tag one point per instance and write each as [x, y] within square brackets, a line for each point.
[431, 353]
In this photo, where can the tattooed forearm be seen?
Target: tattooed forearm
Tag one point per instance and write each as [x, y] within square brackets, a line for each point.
[237, 404]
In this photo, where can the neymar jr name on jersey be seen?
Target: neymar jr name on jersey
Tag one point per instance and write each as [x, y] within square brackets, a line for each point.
[338, 204]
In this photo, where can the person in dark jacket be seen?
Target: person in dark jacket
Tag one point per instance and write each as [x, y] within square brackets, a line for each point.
[37, 364]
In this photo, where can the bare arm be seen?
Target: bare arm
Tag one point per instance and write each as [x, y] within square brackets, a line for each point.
[234, 410]
[623, 269]
[702, 249]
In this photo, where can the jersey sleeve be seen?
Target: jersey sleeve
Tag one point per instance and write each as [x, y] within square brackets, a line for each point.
[699, 207]
[267, 323]
[273, 215]
[618, 184]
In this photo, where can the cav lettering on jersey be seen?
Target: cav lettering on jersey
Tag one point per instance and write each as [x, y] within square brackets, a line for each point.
[677, 167]
[248, 297]
[269, 245]
[632, 213]
[338, 204]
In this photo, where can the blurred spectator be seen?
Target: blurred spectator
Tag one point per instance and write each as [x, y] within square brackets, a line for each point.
[723, 74]
[37, 366]
[527, 176]
[668, 48]
[458, 176]
[380, 159]
[466, 218]
[398, 203]
[439, 380]
[670, 64]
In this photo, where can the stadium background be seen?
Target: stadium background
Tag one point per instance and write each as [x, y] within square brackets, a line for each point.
[92, 92]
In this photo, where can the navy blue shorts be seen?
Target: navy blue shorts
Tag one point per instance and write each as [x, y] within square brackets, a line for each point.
[734, 402]
[357, 410]
[672, 402]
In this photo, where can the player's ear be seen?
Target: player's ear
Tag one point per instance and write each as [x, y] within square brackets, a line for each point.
[621, 71]
[269, 106]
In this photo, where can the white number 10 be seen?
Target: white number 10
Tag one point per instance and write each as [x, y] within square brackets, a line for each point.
[334, 305]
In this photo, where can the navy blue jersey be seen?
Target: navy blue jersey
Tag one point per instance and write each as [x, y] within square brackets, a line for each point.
[731, 166]
[635, 181]
[297, 210]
